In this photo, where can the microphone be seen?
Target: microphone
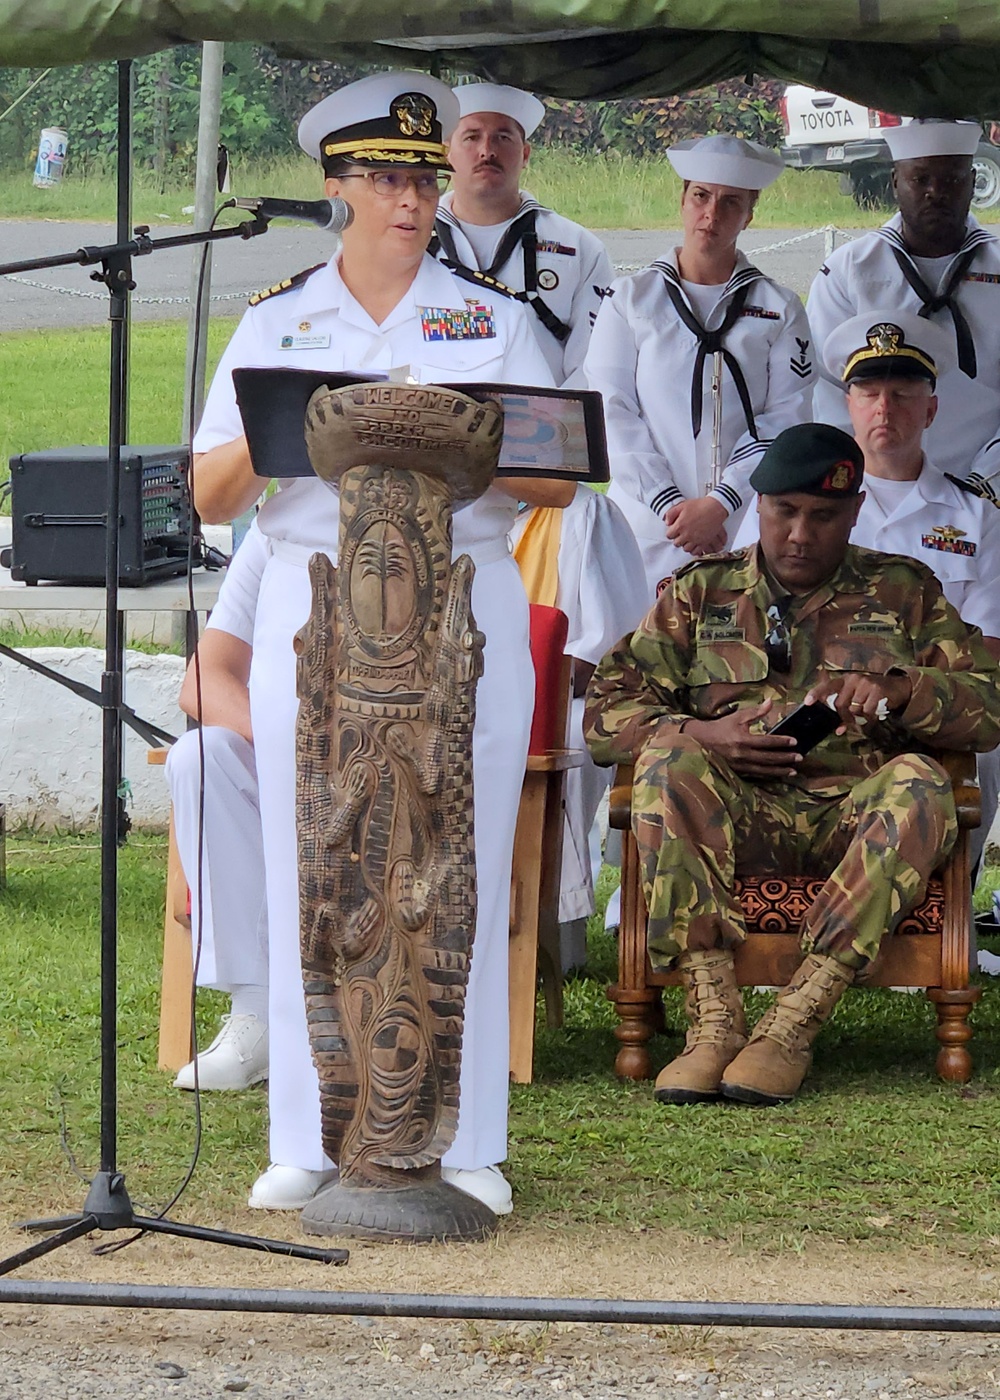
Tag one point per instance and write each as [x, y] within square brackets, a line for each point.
[332, 214]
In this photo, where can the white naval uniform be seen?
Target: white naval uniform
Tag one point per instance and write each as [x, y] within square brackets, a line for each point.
[602, 588]
[574, 270]
[231, 917]
[864, 276]
[318, 324]
[924, 525]
[641, 358]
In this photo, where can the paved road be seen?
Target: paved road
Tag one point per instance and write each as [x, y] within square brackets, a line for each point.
[65, 296]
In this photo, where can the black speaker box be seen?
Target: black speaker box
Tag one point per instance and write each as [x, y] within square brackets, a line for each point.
[59, 515]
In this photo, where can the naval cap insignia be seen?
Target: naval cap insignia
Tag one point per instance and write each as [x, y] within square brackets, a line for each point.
[885, 338]
[414, 113]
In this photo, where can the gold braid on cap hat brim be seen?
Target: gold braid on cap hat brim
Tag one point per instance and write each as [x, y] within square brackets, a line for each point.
[898, 352]
[401, 151]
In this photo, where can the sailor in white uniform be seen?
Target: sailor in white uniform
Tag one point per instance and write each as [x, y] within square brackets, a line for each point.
[933, 260]
[584, 560]
[498, 236]
[701, 360]
[382, 304]
[891, 365]
[212, 774]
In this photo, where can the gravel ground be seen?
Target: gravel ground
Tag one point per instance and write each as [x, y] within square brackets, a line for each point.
[209, 1358]
[62, 1353]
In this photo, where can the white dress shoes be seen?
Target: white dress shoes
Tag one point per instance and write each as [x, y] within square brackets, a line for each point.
[236, 1058]
[288, 1188]
[487, 1184]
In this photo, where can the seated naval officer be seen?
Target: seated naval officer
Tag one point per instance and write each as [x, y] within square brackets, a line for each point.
[890, 365]
[733, 645]
[212, 776]
[495, 234]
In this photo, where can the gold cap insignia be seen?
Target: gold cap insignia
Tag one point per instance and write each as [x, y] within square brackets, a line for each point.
[884, 338]
[841, 477]
[414, 114]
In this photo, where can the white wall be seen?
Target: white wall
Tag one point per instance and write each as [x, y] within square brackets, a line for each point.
[50, 739]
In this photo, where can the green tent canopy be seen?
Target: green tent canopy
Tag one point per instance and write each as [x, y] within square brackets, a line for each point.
[925, 57]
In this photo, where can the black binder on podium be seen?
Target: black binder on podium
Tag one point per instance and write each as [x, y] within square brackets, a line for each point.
[547, 432]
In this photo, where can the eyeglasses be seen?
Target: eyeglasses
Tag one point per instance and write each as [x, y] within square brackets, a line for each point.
[778, 642]
[429, 184]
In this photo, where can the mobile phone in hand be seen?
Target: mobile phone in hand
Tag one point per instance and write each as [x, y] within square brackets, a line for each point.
[808, 724]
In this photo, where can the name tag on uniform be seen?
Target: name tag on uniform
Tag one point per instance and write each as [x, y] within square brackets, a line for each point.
[722, 634]
[872, 629]
[304, 342]
[447, 323]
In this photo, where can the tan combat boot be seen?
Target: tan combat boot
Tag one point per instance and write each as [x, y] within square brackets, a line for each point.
[718, 1028]
[777, 1058]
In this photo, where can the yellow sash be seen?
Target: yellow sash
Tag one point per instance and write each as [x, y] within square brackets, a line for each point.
[537, 554]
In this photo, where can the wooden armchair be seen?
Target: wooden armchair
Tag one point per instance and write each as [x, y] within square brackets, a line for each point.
[930, 949]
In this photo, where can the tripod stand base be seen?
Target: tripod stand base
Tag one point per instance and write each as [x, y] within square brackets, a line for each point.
[108, 1207]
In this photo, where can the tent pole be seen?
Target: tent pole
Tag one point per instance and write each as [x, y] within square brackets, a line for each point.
[204, 207]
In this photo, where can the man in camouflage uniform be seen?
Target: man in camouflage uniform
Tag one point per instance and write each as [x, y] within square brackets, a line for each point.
[734, 644]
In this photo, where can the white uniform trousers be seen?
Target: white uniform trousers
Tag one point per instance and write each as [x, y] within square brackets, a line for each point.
[234, 913]
[988, 774]
[584, 788]
[504, 700]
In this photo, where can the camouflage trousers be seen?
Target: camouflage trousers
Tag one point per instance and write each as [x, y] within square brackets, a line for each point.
[698, 826]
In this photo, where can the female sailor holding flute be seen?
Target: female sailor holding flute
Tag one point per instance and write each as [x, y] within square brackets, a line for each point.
[701, 360]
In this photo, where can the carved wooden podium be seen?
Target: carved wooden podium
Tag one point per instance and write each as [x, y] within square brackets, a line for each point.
[387, 672]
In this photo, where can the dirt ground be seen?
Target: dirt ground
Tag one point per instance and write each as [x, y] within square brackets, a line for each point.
[53, 1351]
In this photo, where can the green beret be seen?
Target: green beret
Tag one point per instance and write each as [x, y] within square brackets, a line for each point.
[814, 458]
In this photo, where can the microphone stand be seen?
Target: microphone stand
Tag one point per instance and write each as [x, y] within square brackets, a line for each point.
[107, 1206]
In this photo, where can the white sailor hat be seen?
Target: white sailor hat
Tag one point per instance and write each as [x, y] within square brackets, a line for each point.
[398, 118]
[929, 136]
[726, 160]
[522, 107]
[890, 344]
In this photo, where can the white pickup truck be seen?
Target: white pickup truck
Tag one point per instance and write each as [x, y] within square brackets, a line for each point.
[827, 132]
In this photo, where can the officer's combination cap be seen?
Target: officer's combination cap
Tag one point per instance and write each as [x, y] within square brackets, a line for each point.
[888, 345]
[930, 136]
[399, 119]
[816, 459]
[522, 107]
[726, 160]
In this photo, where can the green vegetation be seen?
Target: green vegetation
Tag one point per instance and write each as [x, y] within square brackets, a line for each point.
[875, 1148]
[599, 189]
[56, 384]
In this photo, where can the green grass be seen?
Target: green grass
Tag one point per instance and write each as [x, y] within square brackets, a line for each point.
[56, 384]
[15, 635]
[600, 191]
[874, 1149]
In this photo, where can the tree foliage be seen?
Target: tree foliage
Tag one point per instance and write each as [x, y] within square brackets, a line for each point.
[263, 98]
